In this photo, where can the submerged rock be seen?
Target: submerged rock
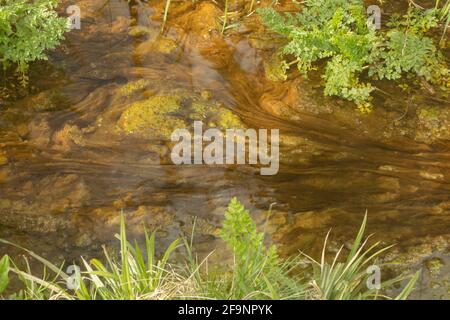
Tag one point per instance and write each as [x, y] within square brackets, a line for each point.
[160, 115]
[434, 265]
[275, 68]
[50, 100]
[3, 159]
[152, 117]
[159, 44]
[139, 31]
[432, 123]
[66, 137]
[134, 86]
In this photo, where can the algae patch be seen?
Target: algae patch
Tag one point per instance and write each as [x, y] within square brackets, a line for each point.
[275, 68]
[154, 116]
[134, 86]
[160, 115]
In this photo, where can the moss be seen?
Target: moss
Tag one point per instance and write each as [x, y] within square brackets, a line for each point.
[153, 116]
[138, 31]
[134, 86]
[275, 68]
[165, 45]
[228, 120]
[199, 111]
[206, 95]
[429, 114]
[50, 100]
[214, 114]
[433, 123]
[434, 265]
[3, 159]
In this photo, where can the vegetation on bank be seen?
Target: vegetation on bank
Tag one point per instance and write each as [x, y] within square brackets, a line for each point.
[337, 33]
[255, 272]
[27, 30]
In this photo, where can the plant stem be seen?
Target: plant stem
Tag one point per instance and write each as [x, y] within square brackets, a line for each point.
[225, 17]
[166, 14]
[251, 6]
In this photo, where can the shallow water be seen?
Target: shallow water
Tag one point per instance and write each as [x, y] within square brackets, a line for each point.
[70, 172]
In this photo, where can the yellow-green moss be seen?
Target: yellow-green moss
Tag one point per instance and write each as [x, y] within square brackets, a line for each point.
[199, 111]
[228, 120]
[133, 86]
[3, 159]
[152, 117]
[165, 45]
[138, 31]
[275, 68]
[214, 115]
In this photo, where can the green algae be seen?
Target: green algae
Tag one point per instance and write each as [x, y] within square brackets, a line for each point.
[434, 265]
[154, 116]
[162, 114]
[275, 68]
[164, 45]
[134, 86]
[432, 123]
[139, 31]
[228, 120]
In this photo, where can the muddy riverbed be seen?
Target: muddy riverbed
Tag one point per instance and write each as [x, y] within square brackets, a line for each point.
[91, 139]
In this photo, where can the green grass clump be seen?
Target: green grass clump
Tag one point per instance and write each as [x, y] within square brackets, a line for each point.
[27, 30]
[254, 272]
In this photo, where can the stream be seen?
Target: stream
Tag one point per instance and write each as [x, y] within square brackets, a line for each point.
[77, 151]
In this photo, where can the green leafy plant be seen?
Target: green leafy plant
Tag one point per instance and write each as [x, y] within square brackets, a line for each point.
[4, 273]
[336, 32]
[27, 30]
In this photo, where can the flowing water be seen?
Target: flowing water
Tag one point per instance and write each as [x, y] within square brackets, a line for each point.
[67, 169]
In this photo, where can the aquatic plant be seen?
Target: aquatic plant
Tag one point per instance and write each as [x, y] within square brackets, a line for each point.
[27, 30]
[225, 17]
[255, 272]
[445, 15]
[336, 32]
[4, 273]
[166, 14]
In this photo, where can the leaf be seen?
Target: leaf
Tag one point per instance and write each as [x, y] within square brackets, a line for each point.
[4, 273]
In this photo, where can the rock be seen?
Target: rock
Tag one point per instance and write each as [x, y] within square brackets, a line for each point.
[434, 265]
[3, 159]
[139, 31]
[160, 44]
[40, 132]
[275, 68]
[3, 175]
[160, 115]
[264, 41]
[432, 123]
[203, 34]
[149, 216]
[68, 136]
[84, 240]
[50, 100]
[432, 175]
[153, 117]
[134, 86]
